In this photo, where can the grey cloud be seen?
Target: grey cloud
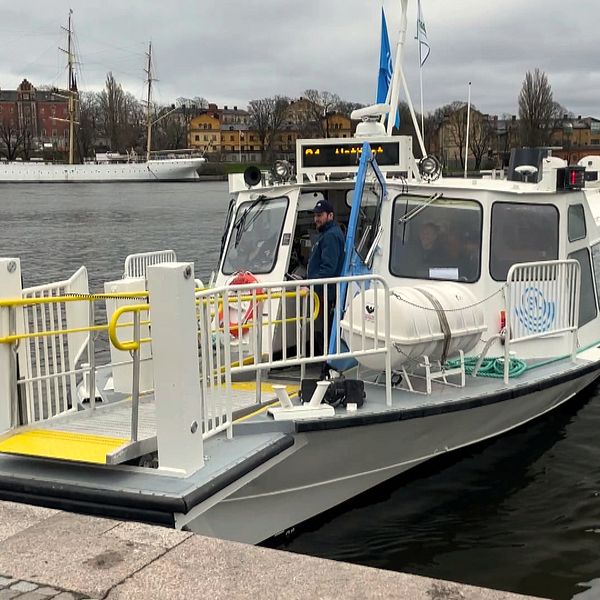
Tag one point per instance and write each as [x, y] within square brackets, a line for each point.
[231, 51]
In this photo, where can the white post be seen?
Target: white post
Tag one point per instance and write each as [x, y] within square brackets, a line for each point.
[422, 109]
[176, 370]
[468, 126]
[394, 89]
[10, 288]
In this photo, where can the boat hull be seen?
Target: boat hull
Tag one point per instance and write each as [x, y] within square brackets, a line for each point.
[332, 466]
[179, 169]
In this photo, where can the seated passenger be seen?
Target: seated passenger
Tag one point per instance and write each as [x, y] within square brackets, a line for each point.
[429, 253]
[459, 254]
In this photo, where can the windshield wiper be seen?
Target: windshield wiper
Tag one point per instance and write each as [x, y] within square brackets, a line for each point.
[417, 209]
[241, 224]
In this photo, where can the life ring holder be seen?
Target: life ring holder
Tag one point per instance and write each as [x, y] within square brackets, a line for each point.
[240, 278]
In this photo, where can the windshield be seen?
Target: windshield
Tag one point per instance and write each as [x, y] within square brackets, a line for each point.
[442, 241]
[255, 236]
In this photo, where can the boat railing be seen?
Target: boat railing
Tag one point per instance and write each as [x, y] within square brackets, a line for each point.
[48, 351]
[252, 328]
[55, 337]
[136, 264]
[542, 300]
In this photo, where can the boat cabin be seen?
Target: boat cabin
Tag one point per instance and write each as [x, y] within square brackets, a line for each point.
[413, 228]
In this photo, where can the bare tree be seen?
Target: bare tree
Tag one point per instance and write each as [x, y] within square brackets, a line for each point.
[345, 107]
[537, 109]
[318, 106]
[456, 128]
[480, 136]
[11, 138]
[267, 117]
[122, 116]
[170, 132]
[90, 120]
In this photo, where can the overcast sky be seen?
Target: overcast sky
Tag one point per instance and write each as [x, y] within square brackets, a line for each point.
[232, 51]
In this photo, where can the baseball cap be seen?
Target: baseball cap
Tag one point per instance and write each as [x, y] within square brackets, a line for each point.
[323, 206]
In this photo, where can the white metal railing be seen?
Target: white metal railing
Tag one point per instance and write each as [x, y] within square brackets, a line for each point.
[136, 264]
[542, 299]
[48, 364]
[260, 326]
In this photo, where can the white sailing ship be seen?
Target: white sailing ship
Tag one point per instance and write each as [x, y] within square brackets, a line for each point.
[171, 166]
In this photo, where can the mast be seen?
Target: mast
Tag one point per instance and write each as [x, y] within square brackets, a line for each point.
[71, 88]
[399, 79]
[148, 101]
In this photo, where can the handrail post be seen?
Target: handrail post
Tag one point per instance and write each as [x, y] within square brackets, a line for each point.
[14, 369]
[258, 317]
[92, 357]
[10, 287]
[135, 384]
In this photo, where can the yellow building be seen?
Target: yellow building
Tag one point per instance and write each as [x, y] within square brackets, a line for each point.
[204, 132]
[338, 125]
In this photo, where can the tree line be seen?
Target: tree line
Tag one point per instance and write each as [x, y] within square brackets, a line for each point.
[114, 120]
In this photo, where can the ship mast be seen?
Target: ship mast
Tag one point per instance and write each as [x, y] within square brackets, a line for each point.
[71, 88]
[149, 81]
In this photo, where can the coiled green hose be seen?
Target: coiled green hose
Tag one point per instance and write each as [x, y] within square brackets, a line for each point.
[490, 367]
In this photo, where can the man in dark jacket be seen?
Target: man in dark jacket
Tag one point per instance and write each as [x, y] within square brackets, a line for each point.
[326, 260]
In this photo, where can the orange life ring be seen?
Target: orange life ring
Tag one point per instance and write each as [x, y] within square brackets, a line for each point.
[247, 307]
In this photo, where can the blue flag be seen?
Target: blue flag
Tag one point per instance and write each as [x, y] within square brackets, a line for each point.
[385, 66]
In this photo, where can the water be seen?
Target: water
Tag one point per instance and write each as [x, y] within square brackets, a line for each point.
[520, 513]
[55, 228]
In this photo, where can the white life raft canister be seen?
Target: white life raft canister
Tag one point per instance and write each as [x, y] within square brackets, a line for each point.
[433, 320]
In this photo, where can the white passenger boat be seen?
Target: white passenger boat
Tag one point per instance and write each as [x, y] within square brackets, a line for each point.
[198, 421]
[154, 166]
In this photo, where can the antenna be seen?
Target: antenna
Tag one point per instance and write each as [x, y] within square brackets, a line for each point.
[398, 77]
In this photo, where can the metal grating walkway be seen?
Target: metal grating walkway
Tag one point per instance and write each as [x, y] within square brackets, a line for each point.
[90, 436]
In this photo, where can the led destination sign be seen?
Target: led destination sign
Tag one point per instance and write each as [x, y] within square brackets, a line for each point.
[347, 155]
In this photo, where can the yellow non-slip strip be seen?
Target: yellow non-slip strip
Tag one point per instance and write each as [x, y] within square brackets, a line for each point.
[63, 445]
[249, 386]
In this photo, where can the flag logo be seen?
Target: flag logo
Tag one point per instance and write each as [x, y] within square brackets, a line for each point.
[424, 48]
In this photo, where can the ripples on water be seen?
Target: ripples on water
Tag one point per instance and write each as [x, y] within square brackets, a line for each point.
[519, 513]
[55, 228]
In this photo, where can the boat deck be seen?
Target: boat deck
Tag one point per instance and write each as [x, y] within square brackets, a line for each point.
[103, 436]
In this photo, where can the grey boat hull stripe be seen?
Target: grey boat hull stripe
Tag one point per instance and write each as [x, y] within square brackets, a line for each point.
[438, 409]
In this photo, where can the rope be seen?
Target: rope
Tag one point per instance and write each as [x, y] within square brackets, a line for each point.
[490, 367]
[499, 291]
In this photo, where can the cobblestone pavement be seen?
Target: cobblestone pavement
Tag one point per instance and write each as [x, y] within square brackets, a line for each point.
[26, 590]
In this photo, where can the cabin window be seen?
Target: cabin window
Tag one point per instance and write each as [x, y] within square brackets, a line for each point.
[587, 297]
[436, 240]
[576, 217]
[254, 239]
[522, 233]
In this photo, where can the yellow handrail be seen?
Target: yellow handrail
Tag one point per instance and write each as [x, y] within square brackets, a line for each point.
[12, 302]
[9, 339]
[259, 297]
[112, 327]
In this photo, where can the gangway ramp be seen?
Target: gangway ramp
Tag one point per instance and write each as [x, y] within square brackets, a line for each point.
[103, 435]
